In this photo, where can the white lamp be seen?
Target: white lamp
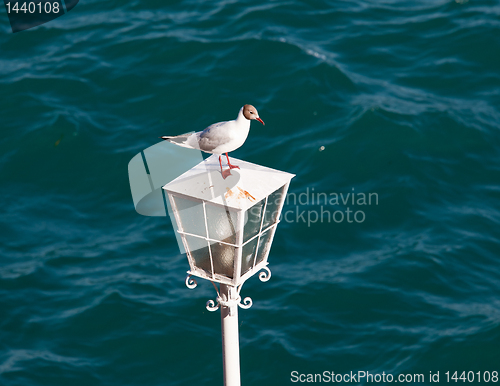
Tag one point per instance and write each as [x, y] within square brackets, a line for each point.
[226, 228]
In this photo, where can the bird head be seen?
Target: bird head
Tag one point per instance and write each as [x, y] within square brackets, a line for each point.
[250, 112]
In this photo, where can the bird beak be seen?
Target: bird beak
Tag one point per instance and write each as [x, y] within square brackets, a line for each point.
[260, 120]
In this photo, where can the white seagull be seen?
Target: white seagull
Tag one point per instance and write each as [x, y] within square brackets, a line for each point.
[221, 137]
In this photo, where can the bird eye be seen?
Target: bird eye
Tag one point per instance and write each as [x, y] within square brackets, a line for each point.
[251, 112]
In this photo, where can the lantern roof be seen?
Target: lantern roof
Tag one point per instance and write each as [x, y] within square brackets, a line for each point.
[239, 191]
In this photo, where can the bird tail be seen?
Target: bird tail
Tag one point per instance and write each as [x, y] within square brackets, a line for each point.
[180, 140]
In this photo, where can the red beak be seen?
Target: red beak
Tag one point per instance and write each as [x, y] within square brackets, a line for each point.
[261, 121]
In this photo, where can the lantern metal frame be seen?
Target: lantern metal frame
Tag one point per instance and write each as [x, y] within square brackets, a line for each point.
[238, 278]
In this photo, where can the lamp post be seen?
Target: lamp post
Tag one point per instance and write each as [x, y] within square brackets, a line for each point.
[226, 228]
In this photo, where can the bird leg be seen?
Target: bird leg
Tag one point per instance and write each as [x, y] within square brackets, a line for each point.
[229, 164]
[225, 173]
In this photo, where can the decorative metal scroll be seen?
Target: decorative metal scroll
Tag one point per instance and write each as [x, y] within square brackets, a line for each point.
[230, 303]
[265, 275]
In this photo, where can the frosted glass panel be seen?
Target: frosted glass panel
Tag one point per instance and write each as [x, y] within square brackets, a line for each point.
[221, 223]
[200, 253]
[223, 256]
[273, 203]
[254, 218]
[192, 217]
[264, 245]
[248, 256]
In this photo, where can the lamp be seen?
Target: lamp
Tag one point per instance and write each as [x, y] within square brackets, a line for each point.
[226, 228]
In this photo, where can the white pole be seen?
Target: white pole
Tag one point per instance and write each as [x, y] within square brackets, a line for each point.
[230, 339]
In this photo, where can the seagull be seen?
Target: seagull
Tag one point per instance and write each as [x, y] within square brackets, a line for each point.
[221, 137]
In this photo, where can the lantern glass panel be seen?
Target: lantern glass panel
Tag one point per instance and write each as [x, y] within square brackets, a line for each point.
[198, 248]
[264, 245]
[191, 216]
[254, 219]
[273, 204]
[221, 223]
[248, 256]
[223, 256]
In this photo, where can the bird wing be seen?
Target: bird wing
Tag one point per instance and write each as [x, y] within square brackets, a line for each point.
[213, 136]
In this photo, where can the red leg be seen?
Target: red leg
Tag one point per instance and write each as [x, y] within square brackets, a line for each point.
[224, 173]
[229, 164]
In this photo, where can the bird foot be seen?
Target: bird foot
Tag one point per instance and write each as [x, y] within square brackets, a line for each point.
[226, 173]
[233, 166]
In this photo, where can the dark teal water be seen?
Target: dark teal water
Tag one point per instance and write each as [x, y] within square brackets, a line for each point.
[405, 99]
